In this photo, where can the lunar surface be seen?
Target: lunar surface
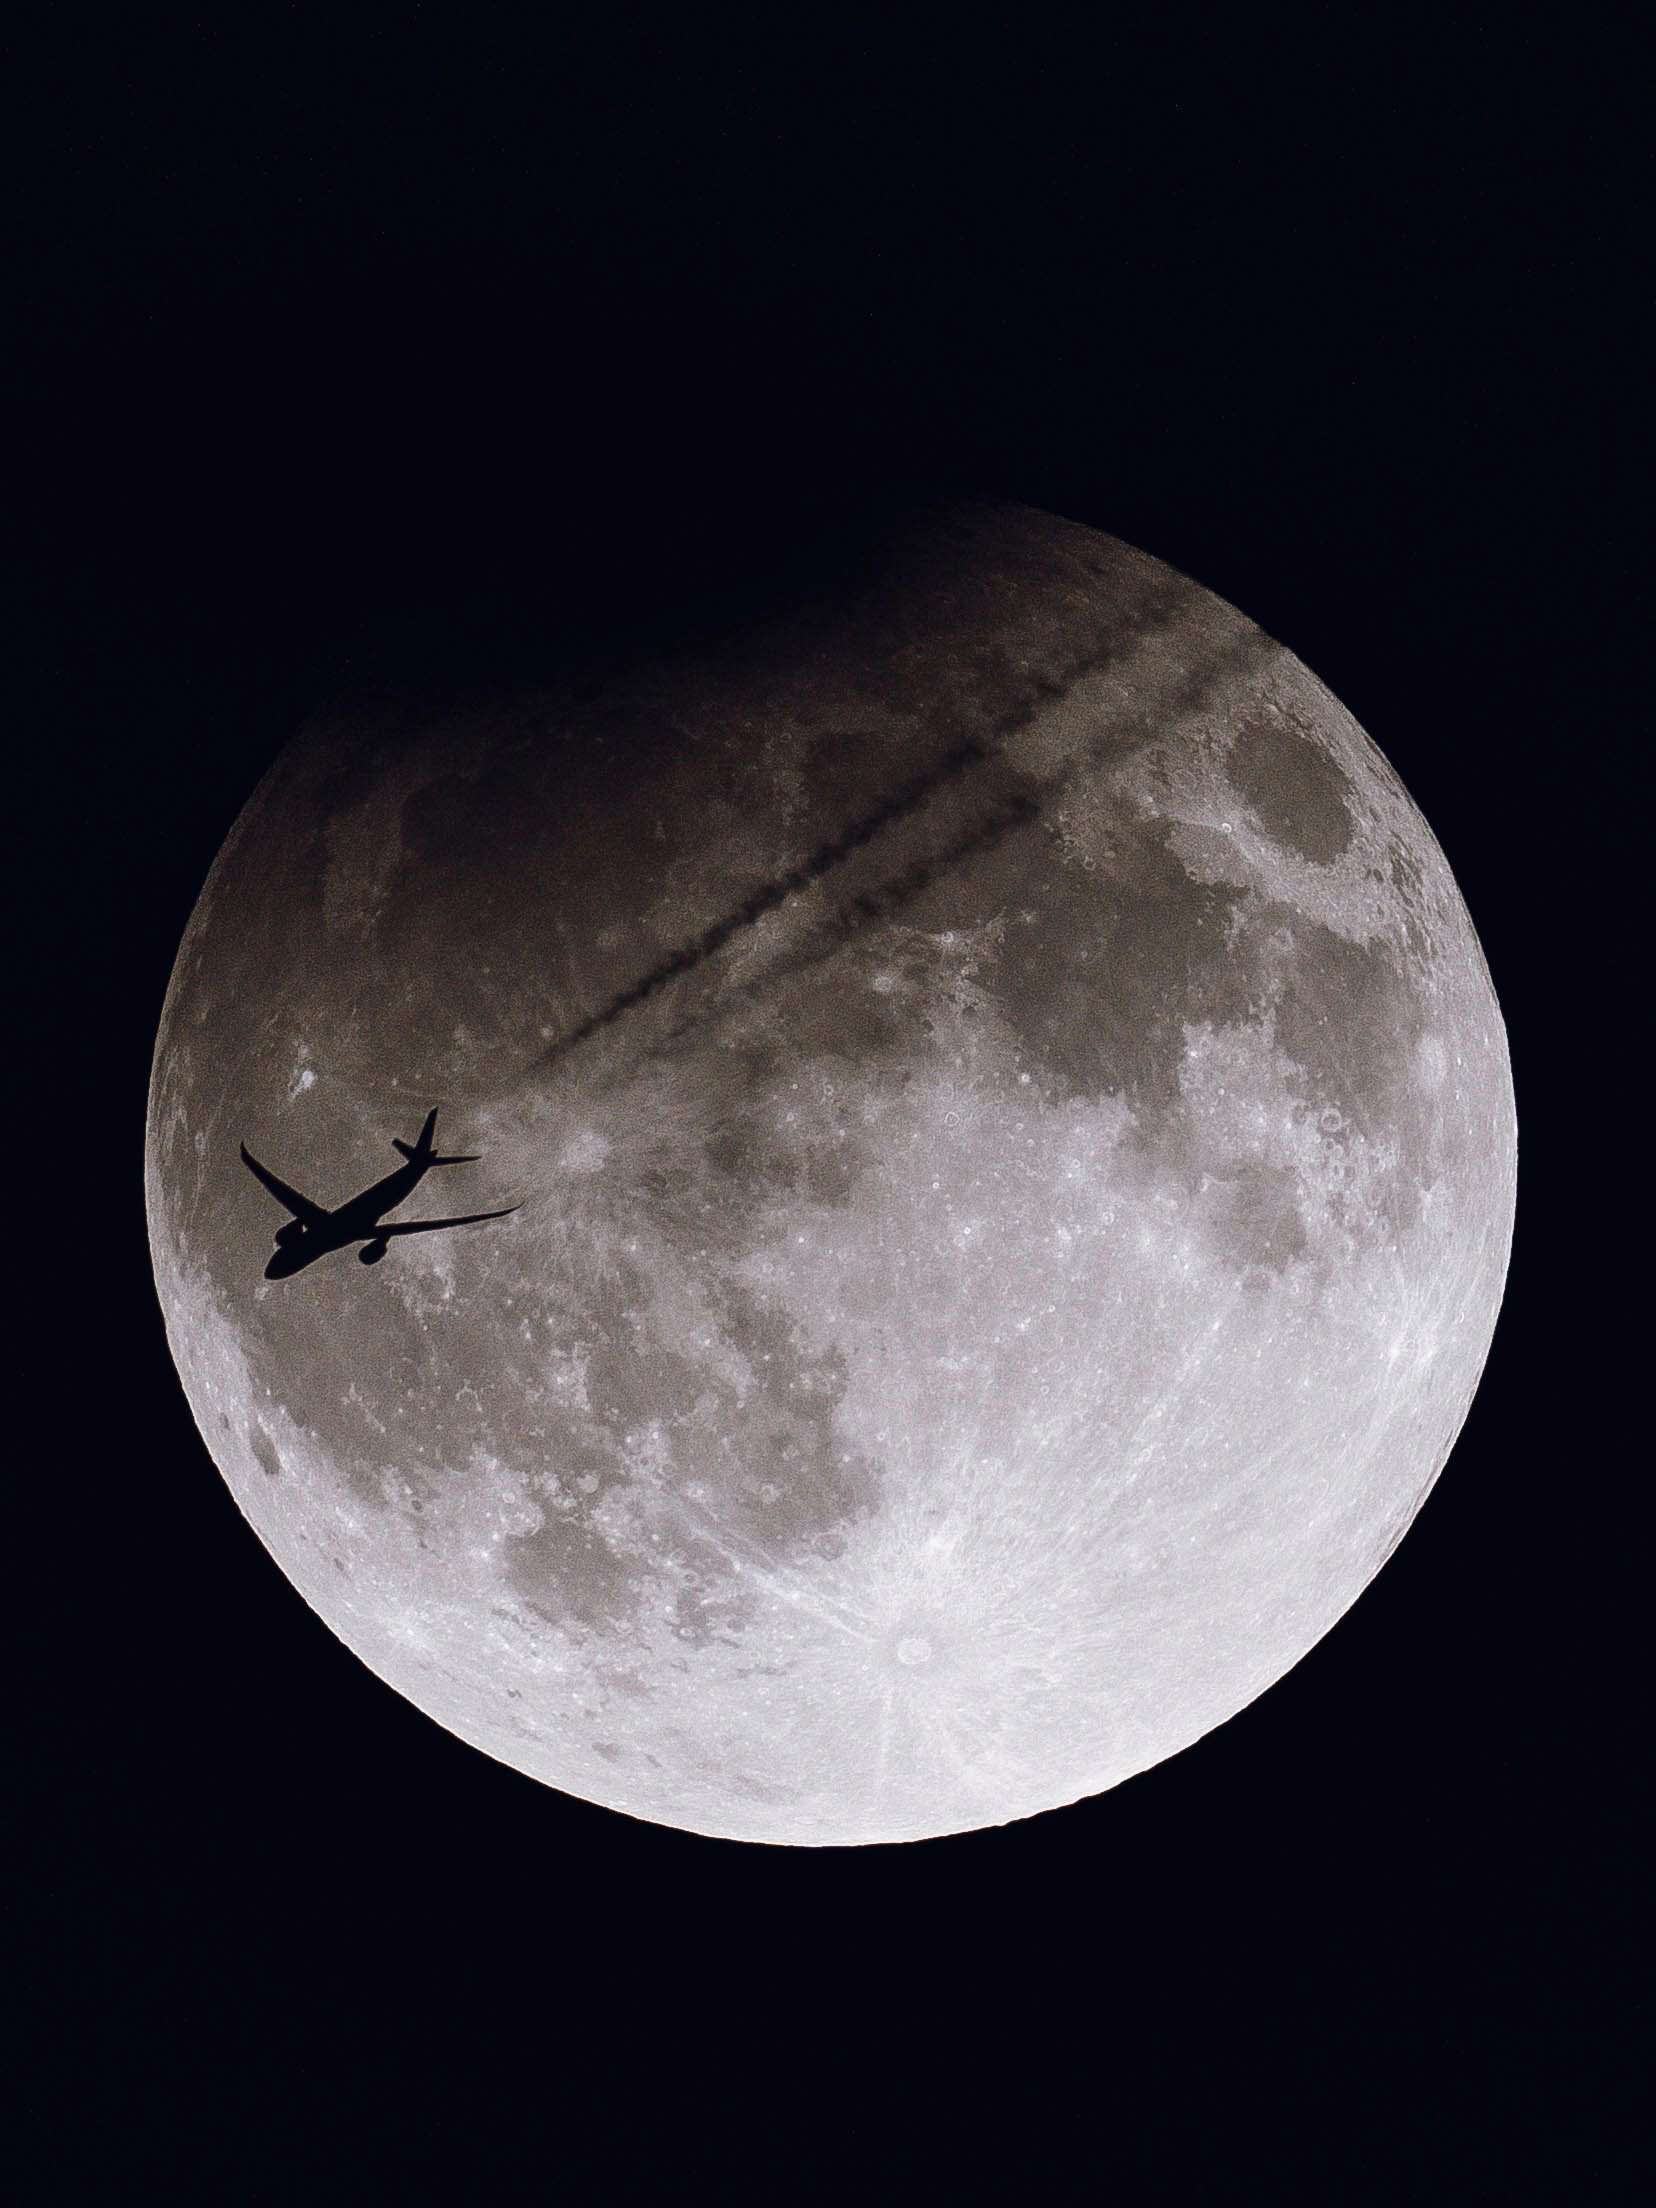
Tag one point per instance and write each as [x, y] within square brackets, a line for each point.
[1015, 1148]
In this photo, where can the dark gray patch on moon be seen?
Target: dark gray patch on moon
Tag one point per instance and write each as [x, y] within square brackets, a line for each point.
[564, 1569]
[1013, 1149]
[1100, 976]
[1349, 1019]
[1298, 793]
[1254, 1214]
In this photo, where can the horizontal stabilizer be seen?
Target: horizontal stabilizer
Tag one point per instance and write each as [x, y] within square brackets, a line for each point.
[422, 1152]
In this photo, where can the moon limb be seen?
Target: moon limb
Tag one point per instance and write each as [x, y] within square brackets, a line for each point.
[1068, 1251]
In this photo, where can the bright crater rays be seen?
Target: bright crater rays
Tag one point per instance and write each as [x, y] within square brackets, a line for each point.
[1015, 1148]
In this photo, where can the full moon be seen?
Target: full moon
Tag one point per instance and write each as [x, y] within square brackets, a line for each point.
[1013, 1147]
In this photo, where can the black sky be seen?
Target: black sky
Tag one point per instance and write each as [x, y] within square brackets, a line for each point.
[346, 351]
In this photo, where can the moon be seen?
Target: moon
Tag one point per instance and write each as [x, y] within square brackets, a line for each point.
[1015, 1150]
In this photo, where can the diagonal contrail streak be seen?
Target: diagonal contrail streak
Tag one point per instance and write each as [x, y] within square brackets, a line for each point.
[904, 800]
[1196, 686]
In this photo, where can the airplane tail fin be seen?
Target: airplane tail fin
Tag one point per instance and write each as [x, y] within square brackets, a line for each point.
[422, 1152]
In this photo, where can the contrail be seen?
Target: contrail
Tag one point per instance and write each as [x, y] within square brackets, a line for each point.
[907, 797]
[1196, 686]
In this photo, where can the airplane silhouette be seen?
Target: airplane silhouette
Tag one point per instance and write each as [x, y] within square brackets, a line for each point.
[313, 1232]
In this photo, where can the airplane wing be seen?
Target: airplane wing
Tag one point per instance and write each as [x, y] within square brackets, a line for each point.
[430, 1226]
[300, 1206]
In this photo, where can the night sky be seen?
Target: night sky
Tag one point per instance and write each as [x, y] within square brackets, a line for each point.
[397, 352]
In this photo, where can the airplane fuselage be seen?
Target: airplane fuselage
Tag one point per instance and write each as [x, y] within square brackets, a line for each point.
[363, 1213]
